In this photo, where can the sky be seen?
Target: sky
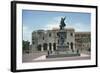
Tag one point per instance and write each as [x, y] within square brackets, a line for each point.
[47, 20]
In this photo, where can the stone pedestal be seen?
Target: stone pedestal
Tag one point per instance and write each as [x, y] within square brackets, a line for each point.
[61, 41]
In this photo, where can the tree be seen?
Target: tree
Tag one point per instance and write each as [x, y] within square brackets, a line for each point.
[26, 46]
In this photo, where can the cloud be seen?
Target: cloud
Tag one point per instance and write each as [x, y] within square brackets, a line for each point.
[76, 26]
[54, 24]
[79, 27]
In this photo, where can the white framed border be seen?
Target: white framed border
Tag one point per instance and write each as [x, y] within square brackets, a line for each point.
[38, 65]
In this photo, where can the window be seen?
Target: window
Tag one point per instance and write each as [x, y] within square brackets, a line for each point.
[49, 34]
[67, 43]
[33, 42]
[71, 34]
[33, 38]
[71, 44]
[43, 38]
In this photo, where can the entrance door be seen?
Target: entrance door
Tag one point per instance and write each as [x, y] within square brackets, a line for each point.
[45, 46]
[39, 47]
[50, 46]
[54, 46]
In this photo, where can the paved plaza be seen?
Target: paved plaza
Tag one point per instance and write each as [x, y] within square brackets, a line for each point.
[41, 57]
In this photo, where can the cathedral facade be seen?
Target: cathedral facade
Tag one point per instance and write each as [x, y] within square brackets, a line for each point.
[47, 40]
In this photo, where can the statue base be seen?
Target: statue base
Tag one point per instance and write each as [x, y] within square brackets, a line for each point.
[59, 54]
[62, 48]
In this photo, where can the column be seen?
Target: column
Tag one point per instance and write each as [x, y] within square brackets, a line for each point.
[47, 47]
[69, 46]
[52, 47]
[74, 46]
[42, 48]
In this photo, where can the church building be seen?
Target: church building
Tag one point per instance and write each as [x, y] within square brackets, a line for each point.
[47, 40]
